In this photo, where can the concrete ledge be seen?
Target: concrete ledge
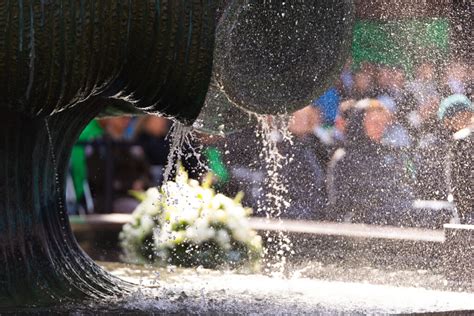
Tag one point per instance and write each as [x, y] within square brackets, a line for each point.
[449, 251]
[114, 222]
[99, 222]
[348, 230]
[355, 244]
[459, 228]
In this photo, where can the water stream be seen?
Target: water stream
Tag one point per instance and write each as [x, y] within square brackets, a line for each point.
[182, 137]
[271, 131]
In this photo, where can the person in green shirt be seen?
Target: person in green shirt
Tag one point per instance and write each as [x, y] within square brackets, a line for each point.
[216, 165]
[78, 165]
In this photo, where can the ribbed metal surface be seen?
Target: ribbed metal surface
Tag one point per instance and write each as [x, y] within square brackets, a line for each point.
[156, 54]
[61, 64]
[40, 261]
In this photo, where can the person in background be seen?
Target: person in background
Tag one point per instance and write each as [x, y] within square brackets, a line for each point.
[340, 124]
[346, 80]
[115, 167]
[367, 179]
[305, 171]
[457, 79]
[302, 173]
[425, 90]
[303, 126]
[151, 134]
[81, 203]
[457, 115]
[391, 83]
[246, 170]
[429, 154]
[429, 138]
[364, 85]
[328, 104]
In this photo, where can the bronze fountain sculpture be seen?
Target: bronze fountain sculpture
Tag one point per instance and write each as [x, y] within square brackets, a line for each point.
[62, 63]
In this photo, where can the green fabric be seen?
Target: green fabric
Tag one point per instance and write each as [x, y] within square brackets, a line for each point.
[78, 157]
[216, 165]
[402, 42]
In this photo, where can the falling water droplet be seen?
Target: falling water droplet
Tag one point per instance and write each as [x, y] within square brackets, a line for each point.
[271, 131]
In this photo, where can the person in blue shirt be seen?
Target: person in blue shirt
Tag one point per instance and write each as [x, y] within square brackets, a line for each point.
[329, 103]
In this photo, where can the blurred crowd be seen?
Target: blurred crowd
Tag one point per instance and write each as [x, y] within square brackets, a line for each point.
[384, 145]
[397, 141]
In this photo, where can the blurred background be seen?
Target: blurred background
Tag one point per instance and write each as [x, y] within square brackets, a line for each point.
[381, 146]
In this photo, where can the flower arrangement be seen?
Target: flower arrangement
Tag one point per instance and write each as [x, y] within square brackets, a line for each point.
[187, 224]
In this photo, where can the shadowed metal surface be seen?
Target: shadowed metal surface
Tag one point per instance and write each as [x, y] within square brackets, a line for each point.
[61, 64]
[155, 54]
[64, 62]
[276, 57]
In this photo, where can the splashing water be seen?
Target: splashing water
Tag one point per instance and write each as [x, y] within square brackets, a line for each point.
[271, 131]
[182, 137]
[178, 134]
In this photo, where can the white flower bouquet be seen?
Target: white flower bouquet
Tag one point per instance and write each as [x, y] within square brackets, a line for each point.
[188, 224]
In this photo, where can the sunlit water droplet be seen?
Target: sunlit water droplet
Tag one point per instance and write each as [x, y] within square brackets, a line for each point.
[182, 138]
[271, 131]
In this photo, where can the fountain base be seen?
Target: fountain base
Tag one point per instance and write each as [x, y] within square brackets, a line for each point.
[204, 292]
[40, 261]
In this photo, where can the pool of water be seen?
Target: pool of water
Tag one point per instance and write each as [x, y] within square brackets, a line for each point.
[314, 289]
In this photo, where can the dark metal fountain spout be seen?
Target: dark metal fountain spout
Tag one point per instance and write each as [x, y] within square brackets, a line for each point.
[64, 62]
[61, 64]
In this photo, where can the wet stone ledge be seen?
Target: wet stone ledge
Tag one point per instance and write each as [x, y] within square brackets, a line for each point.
[448, 252]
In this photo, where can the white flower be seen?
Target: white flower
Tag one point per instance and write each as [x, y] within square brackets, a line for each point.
[221, 201]
[147, 223]
[187, 213]
[240, 234]
[218, 216]
[223, 239]
[200, 231]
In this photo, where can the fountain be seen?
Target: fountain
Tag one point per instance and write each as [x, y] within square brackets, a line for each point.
[212, 65]
[64, 63]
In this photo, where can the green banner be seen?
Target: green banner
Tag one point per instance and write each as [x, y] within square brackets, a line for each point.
[403, 42]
